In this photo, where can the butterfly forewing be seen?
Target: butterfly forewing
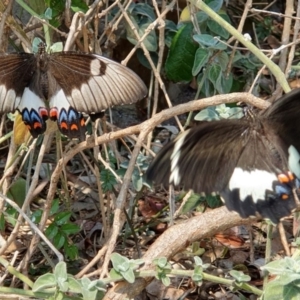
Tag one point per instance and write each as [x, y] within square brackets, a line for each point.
[95, 83]
[200, 160]
[15, 74]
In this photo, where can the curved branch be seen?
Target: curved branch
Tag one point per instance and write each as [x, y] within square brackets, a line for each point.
[175, 239]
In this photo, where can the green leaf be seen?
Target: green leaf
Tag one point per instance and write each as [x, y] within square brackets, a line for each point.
[2, 222]
[275, 291]
[181, 56]
[275, 267]
[48, 14]
[118, 260]
[59, 240]
[166, 281]
[214, 73]
[223, 60]
[60, 273]
[215, 5]
[144, 9]
[129, 275]
[62, 217]
[79, 5]
[201, 58]
[198, 274]
[207, 114]
[51, 231]
[57, 47]
[43, 282]
[87, 293]
[239, 276]
[137, 180]
[193, 201]
[108, 180]
[115, 275]
[201, 17]
[226, 83]
[74, 285]
[69, 228]
[54, 207]
[71, 251]
[144, 61]
[213, 201]
[150, 41]
[17, 191]
[217, 29]
[205, 39]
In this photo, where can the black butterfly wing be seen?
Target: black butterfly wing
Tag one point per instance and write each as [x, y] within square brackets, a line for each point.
[16, 72]
[284, 116]
[235, 158]
[202, 158]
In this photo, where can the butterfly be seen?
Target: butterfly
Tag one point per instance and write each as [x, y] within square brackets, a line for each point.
[252, 163]
[61, 86]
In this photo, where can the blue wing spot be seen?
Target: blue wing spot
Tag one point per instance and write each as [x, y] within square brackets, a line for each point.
[34, 121]
[70, 123]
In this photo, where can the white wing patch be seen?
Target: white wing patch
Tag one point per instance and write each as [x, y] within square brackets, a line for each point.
[175, 175]
[9, 99]
[253, 183]
[30, 100]
[294, 161]
[59, 100]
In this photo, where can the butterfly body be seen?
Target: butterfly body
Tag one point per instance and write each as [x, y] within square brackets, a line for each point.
[252, 163]
[62, 85]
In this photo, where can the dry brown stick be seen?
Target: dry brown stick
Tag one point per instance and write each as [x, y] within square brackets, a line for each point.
[30, 194]
[174, 240]
[4, 16]
[283, 239]
[295, 38]
[119, 218]
[14, 26]
[76, 25]
[239, 29]
[159, 63]
[285, 38]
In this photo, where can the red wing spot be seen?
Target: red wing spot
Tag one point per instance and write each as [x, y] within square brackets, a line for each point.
[37, 125]
[283, 178]
[82, 123]
[74, 127]
[285, 197]
[44, 113]
[54, 114]
[64, 125]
